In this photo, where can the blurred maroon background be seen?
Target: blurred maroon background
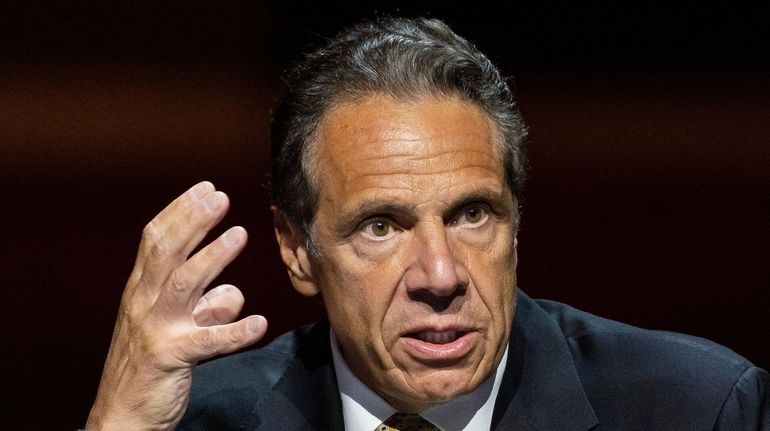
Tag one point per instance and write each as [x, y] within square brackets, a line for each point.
[649, 197]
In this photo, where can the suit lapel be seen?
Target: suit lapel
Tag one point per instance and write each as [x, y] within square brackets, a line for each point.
[541, 388]
[306, 397]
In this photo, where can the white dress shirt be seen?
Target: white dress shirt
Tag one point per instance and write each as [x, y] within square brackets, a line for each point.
[364, 410]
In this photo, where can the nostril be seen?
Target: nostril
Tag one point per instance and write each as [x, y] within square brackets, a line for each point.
[443, 302]
[438, 302]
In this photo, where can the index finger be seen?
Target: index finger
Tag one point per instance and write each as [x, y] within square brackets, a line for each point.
[171, 236]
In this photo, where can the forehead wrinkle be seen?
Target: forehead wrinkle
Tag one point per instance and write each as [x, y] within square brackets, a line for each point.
[403, 152]
[375, 150]
[408, 184]
[428, 165]
[451, 160]
[402, 140]
[446, 172]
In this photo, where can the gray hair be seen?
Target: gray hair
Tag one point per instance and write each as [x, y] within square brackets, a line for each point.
[403, 58]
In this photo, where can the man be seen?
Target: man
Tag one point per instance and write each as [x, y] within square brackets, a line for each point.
[398, 162]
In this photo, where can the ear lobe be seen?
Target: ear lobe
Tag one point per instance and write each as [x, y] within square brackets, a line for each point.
[294, 253]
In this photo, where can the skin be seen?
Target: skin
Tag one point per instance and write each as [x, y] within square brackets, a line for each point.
[414, 232]
[165, 324]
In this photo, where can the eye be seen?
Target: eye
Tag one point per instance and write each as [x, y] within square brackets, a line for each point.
[378, 230]
[474, 214]
[471, 216]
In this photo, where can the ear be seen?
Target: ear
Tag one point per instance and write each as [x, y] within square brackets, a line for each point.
[294, 253]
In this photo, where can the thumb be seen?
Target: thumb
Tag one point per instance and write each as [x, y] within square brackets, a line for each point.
[205, 342]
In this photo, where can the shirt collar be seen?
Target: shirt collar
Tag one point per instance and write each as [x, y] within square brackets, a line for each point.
[363, 409]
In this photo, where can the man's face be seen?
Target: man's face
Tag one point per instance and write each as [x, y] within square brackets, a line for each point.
[416, 245]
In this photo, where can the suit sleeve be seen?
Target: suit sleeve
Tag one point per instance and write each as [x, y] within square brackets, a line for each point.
[747, 407]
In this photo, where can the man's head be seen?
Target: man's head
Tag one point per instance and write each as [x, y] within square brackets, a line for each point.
[401, 209]
[405, 59]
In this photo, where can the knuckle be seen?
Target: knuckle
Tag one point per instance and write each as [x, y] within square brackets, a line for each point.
[197, 216]
[178, 283]
[234, 335]
[205, 338]
[150, 232]
[132, 312]
[159, 250]
[132, 316]
[155, 241]
[215, 340]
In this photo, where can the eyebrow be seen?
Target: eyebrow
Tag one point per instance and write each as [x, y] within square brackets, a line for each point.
[369, 208]
[495, 198]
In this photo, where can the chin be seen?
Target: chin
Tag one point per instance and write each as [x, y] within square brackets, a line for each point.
[449, 385]
[429, 391]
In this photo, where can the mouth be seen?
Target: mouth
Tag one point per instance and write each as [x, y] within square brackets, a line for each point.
[437, 337]
[445, 346]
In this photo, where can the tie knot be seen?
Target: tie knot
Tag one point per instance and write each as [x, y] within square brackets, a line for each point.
[407, 422]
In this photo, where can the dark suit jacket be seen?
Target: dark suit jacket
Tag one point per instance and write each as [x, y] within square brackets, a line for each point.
[567, 370]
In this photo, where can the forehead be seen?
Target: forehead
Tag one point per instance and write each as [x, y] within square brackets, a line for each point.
[428, 143]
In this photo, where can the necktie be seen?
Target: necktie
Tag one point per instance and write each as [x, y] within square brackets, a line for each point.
[407, 422]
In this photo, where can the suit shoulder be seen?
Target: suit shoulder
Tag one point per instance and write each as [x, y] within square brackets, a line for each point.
[637, 371]
[587, 332]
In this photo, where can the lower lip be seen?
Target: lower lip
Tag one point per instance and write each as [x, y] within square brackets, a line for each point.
[429, 352]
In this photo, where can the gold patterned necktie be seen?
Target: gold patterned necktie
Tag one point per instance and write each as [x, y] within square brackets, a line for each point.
[407, 422]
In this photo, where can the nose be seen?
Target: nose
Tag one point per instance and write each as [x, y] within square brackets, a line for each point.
[435, 275]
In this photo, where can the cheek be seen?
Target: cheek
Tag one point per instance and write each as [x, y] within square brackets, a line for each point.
[493, 271]
[360, 306]
[358, 294]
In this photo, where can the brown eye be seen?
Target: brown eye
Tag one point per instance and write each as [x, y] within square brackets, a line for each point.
[471, 216]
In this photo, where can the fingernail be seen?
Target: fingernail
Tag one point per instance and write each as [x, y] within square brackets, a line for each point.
[254, 323]
[202, 305]
[213, 293]
[200, 190]
[213, 202]
[231, 238]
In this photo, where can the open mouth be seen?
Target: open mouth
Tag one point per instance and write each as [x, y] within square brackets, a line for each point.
[440, 347]
[437, 337]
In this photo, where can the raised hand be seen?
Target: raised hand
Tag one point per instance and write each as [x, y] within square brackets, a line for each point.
[166, 325]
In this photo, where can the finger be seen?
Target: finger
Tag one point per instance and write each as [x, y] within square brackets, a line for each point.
[185, 286]
[153, 231]
[177, 230]
[164, 218]
[218, 306]
[209, 341]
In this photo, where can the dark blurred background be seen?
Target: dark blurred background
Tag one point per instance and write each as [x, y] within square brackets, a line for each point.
[648, 202]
